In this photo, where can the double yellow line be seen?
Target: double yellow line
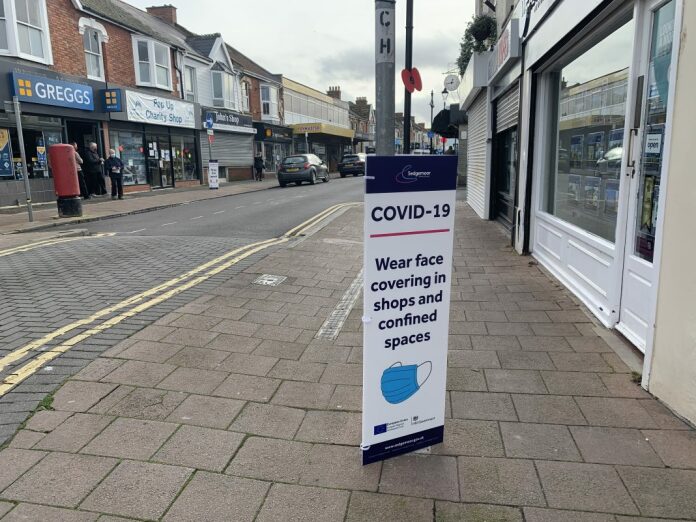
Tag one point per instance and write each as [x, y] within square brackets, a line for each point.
[142, 302]
[49, 242]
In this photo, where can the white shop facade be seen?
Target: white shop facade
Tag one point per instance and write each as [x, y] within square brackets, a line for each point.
[597, 105]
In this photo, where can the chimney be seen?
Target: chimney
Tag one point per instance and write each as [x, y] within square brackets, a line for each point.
[334, 92]
[166, 13]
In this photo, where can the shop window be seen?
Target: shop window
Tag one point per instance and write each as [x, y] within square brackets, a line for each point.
[93, 54]
[129, 147]
[3, 29]
[224, 90]
[184, 158]
[190, 84]
[584, 146]
[153, 63]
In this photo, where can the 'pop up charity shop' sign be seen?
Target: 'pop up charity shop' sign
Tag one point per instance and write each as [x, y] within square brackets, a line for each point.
[409, 224]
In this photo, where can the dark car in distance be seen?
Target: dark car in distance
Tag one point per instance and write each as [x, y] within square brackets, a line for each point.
[352, 164]
[302, 167]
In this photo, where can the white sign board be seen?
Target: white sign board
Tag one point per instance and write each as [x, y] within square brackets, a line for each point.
[213, 174]
[146, 108]
[409, 226]
[653, 143]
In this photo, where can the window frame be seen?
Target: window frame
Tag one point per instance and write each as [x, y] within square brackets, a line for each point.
[100, 55]
[246, 95]
[152, 46]
[230, 93]
[190, 84]
[11, 28]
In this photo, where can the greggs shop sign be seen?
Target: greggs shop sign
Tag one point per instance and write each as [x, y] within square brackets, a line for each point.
[31, 88]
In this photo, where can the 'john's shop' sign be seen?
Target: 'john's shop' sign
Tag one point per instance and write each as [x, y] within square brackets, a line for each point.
[50, 91]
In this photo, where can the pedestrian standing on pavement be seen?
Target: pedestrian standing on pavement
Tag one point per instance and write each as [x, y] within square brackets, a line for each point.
[258, 167]
[114, 167]
[93, 170]
[84, 191]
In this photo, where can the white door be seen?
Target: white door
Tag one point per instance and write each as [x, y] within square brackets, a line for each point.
[645, 159]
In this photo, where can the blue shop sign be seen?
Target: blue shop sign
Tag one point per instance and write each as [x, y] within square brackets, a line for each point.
[50, 91]
[112, 100]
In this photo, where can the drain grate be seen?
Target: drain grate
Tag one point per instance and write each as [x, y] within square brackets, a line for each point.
[269, 280]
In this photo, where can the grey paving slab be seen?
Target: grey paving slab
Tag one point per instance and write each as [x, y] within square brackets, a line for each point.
[204, 358]
[499, 481]
[544, 343]
[248, 387]
[483, 406]
[548, 409]
[211, 412]
[130, 439]
[303, 394]
[212, 497]
[580, 362]
[346, 398]
[74, 433]
[98, 369]
[620, 413]
[60, 479]
[478, 359]
[663, 417]
[538, 441]
[340, 467]
[451, 512]
[287, 369]
[280, 349]
[615, 446]
[515, 381]
[146, 403]
[79, 396]
[574, 383]
[269, 420]
[677, 449]
[26, 439]
[138, 490]
[271, 459]
[365, 507]
[34, 512]
[472, 438]
[15, 462]
[425, 476]
[554, 515]
[200, 448]
[233, 343]
[662, 492]
[5, 507]
[303, 503]
[193, 380]
[47, 420]
[140, 373]
[466, 379]
[585, 487]
[150, 351]
[191, 337]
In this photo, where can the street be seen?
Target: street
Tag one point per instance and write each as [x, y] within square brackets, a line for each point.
[51, 286]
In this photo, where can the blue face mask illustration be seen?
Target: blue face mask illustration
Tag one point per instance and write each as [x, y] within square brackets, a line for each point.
[401, 382]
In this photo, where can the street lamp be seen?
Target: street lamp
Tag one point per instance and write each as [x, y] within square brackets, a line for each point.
[445, 94]
[432, 106]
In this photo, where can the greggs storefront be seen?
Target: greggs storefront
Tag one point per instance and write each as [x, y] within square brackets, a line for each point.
[55, 109]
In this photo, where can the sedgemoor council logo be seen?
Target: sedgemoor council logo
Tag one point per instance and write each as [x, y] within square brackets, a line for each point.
[409, 176]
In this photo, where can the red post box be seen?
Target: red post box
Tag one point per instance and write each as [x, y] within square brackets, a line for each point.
[67, 186]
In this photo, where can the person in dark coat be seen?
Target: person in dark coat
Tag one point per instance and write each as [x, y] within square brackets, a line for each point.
[258, 167]
[114, 167]
[93, 171]
[84, 191]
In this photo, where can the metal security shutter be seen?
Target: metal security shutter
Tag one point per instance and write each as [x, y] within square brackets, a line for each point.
[476, 155]
[507, 110]
[231, 150]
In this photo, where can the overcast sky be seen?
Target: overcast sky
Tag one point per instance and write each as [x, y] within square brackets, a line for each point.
[331, 42]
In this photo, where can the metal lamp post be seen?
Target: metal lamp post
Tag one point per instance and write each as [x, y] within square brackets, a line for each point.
[432, 106]
[445, 94]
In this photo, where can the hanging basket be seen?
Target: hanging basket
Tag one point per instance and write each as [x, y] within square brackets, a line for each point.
[482, 28]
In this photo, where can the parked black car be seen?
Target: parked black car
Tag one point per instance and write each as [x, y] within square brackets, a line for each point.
[302, 167]
[352, 164]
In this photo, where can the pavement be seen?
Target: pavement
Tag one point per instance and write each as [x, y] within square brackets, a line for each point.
[228, 407]
[46, 216]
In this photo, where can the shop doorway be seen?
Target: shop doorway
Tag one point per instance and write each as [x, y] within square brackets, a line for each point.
[159, 160]
[646, 170]
[84, 133]
[504, 177]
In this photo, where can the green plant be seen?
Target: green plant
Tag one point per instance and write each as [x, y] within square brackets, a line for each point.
[480, 34]
[636, 377]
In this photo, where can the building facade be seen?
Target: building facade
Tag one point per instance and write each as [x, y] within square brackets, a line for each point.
[320, 122]
[588, 169]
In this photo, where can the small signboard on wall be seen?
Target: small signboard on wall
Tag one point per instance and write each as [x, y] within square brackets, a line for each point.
[213, 174]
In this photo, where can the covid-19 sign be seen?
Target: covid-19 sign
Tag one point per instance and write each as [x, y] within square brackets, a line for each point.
[409, 225]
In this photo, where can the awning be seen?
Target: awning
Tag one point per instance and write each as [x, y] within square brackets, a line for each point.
[443, 127]
[300, 129]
